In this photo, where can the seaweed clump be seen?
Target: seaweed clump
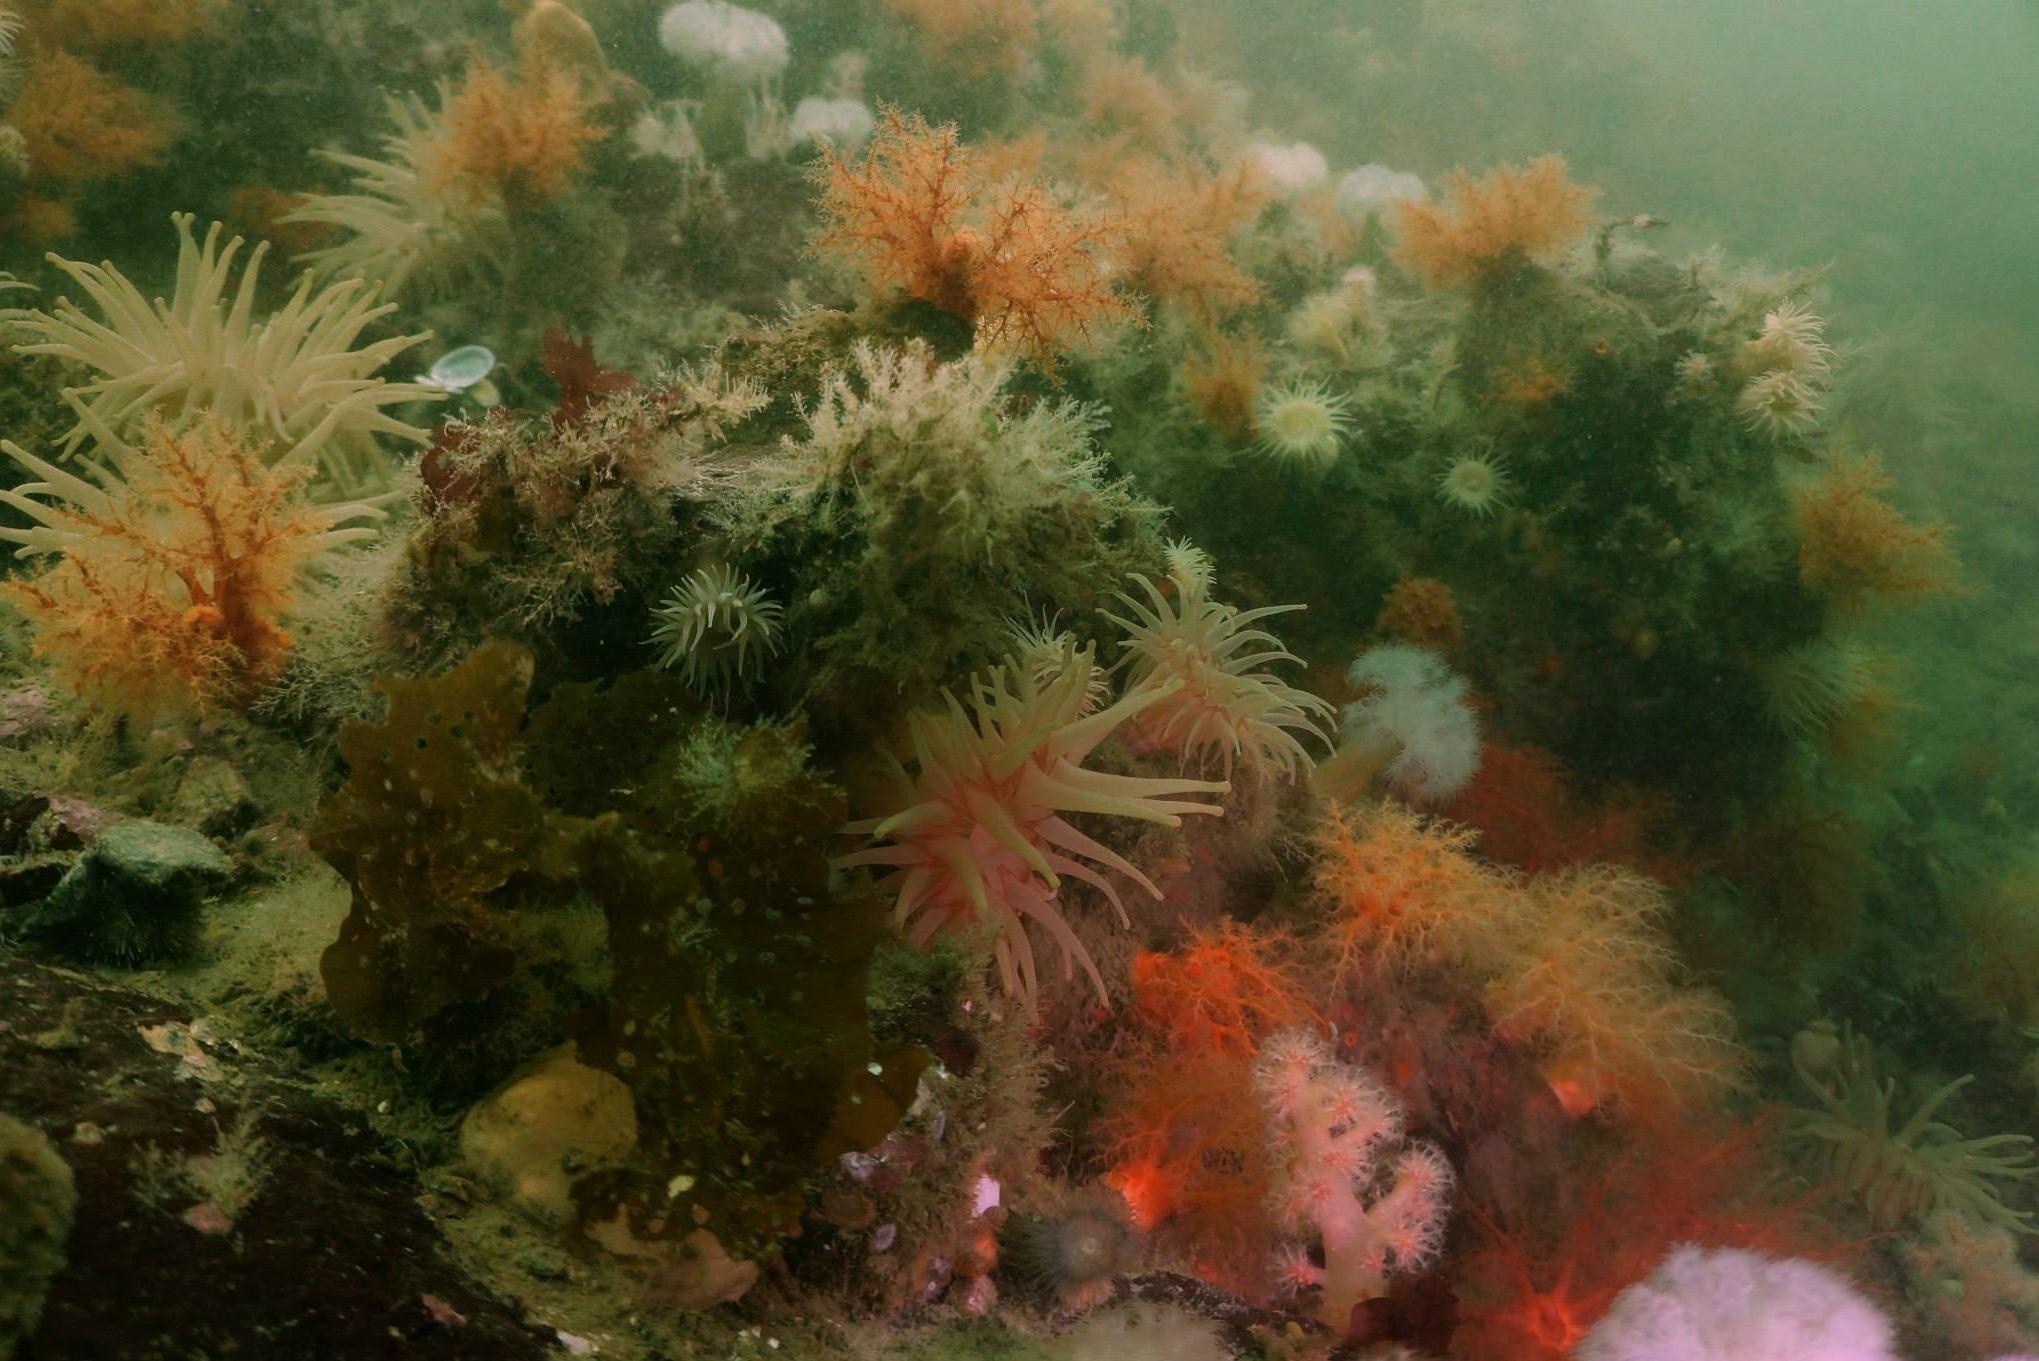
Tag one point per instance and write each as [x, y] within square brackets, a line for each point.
[606, 869]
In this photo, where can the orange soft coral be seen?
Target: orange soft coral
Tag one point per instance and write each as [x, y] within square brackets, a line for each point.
[521, 140]
[79, 124]
[1529, 816]
[982, 37]
[1224, 991]
[91, 25]
[1489, 225]
[1404, 890]
[1177, 224]
[1422, 611]
[1854, 545]
[1586, 970]
[1028, 273]
[1221, 381]
[170, 575]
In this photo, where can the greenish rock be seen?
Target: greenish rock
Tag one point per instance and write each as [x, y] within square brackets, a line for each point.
[212, 797]
[37, 1203]
[132, 897]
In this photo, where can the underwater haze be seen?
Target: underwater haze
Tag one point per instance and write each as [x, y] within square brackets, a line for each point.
[1019, 680]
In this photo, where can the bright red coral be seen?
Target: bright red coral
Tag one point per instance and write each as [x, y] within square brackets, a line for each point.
[1529, 816]
[1223, 991]
[916, 215]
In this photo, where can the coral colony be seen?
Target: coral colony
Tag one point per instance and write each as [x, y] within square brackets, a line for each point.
[979, 709]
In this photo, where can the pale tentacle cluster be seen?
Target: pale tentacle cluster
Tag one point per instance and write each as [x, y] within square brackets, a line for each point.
[403, 229]
[983, 835]
[294, 382]
[1375, 1202]
[713, 625]
[1224, 706]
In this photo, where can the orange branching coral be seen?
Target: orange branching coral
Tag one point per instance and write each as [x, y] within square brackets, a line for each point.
[1587, 971]
[79, 124]
[1421, 610]
[1854, 545]
[1123, 99]
[1404, 890]
[1177, 224]
[1224, 991]
[1529, 816]
[521, 140]
[170, 574]
[984, 37]
[1221, 381]
[1493, 223]
[1028, 273]
[91, 25]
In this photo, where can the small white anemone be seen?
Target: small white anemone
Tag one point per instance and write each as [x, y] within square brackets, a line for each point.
[1373, 189]
[1780, 404]
[1477, 484]
[712, 626]
[841, 123]
[724, 39]
[1302, 424]
[1289, 169]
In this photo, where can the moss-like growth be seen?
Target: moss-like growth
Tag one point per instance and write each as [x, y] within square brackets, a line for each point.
[37, 1202]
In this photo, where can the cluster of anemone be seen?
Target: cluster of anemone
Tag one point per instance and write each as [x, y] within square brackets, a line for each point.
[1224, 706]
[1789, 363]
[982, 835]
[294, 384]
[715, 627]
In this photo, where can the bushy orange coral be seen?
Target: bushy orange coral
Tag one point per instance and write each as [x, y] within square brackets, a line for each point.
[91, 25]
[1177, 223]
[1422, 610]
[1223, 991]
[1029, 274]
[1493, 223]
[523, 140]
[982, 37]
[169, 582]
[1853, 545]
[1586, 971]
[79, 124]
[1529, 816]
[1404, 890]
[1221, 380]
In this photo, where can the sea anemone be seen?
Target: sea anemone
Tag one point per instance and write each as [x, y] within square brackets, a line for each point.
[1412, 725]
[714, 625]
[1782, 404]
[293, 384]
[1071, 1258]
[1793, 340]
[1373, 189]
[1301, 424]
[724, 39]
[1814, 686]
[1223, 706]
[981, 832]
[403, 229]
[838, 122]
[1288, 169]
[1477, 484]
[1704, 1304]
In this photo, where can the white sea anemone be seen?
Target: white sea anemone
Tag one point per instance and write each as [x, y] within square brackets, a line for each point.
[724, 39]
[1302, 424]
[399, 228]
[1477, 484]
[1708, 1304]
[1792, 339]
[712, 627]
[1415, 708]
[840, 123]
[293, 383]
[1781, 404]
[1373, 189]
[1289, 169]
